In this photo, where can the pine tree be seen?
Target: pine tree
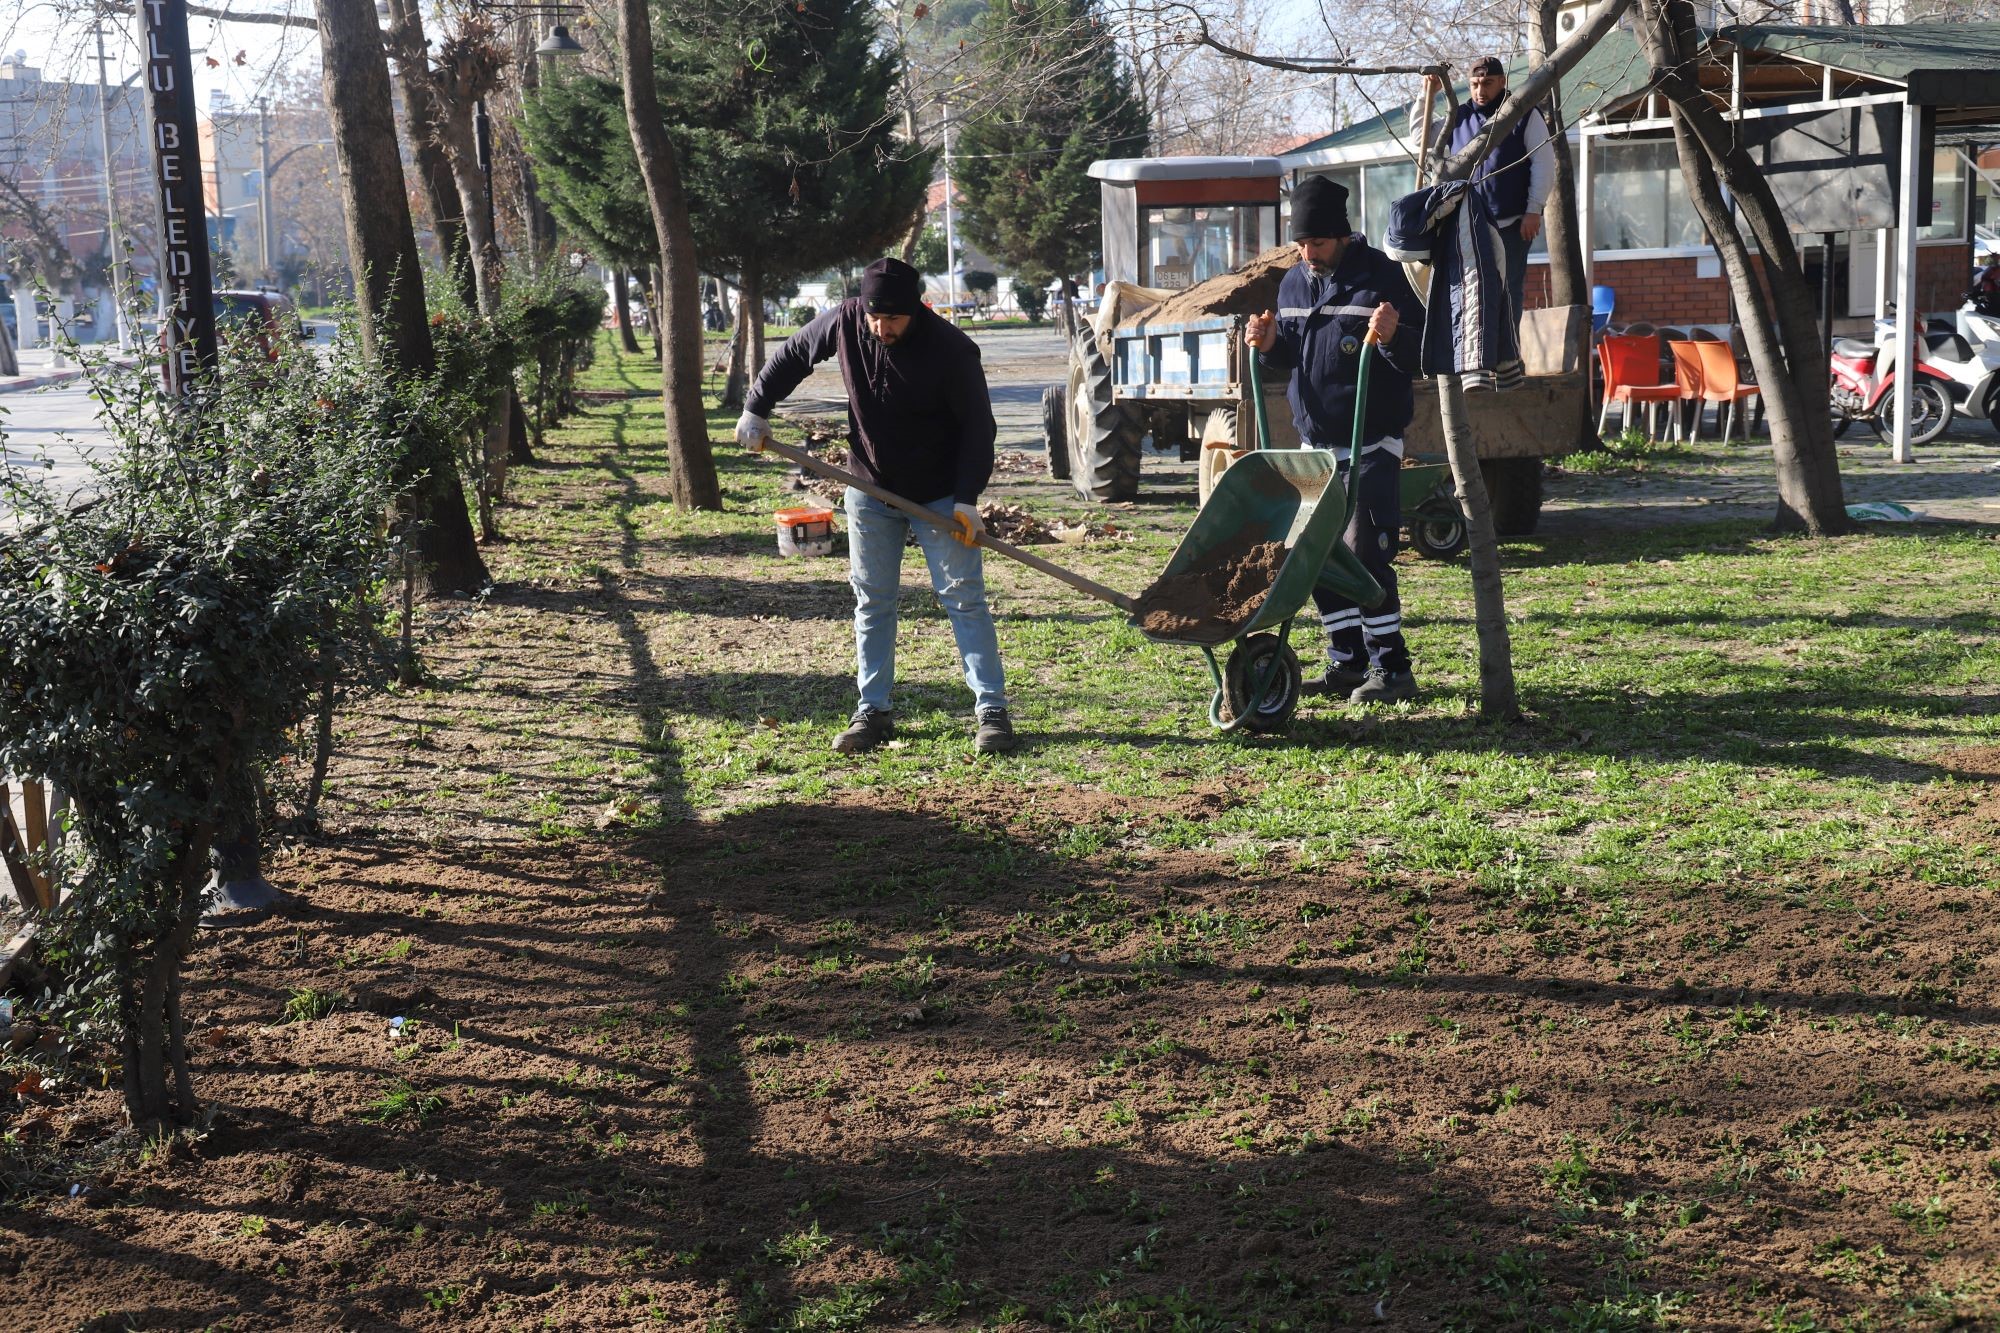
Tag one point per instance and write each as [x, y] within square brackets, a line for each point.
[778, 110]
[1022, 169]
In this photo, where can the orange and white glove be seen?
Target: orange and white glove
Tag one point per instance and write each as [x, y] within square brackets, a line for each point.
[970, 526]
[752, 431]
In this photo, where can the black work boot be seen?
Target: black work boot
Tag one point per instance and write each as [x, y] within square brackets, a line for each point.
[1384, 687]
[996, 732]
[1335, 680]
[870, 727]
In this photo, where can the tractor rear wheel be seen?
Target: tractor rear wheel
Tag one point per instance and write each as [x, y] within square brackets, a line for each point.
[1055, 432]
[1514, 490]
[1104, 434]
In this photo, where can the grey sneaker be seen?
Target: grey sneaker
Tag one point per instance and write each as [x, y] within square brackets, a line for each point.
[996, 732]
[1384, 687]
[1338, 681]
[869, 729]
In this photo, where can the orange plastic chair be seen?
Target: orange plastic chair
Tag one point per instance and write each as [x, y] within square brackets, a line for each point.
[1688, 379]
[1720, 384]
[1632, 375]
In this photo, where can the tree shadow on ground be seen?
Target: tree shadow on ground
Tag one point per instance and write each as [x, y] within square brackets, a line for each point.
[913, 1063]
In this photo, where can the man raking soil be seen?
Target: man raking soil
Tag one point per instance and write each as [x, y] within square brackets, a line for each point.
[922, 426]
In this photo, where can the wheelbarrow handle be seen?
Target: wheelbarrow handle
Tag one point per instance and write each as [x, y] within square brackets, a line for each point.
[1089, 587]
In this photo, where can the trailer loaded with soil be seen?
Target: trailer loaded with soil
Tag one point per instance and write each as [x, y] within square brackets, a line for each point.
[1165, 362]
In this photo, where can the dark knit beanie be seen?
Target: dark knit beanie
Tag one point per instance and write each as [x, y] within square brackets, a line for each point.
[1319, 209]
[891, 287]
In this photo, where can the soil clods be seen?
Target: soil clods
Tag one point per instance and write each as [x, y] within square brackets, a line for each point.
[1211, 600]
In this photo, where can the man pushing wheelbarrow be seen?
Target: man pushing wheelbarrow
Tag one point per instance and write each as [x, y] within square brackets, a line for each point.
[1341, 290]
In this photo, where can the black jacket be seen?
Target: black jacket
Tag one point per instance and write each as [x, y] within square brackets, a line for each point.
[919, 414]
[1321, 322]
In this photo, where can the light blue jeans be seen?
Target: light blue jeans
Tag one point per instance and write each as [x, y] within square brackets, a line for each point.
[875, 537]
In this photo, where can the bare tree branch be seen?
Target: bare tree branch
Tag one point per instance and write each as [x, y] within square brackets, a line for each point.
[286, 20]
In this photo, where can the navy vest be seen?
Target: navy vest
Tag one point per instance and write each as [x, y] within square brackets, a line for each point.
[1502, 175]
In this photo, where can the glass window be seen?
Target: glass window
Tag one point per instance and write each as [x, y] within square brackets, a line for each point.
[1386, 182]
[1185, 246]
[1640, 200]
[1947, 197]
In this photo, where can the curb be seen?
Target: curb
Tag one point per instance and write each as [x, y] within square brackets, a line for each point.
[22, 383]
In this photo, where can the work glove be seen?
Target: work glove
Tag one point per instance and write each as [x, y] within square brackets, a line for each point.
[752, 431]
[970, 526]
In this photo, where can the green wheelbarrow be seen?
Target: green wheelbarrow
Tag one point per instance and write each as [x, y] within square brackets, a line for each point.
[1293, 496]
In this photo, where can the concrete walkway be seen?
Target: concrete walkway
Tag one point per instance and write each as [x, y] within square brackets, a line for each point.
[37, 369]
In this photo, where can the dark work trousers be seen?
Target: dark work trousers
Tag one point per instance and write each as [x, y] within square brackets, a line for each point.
[1514, 254]
[1357, 639]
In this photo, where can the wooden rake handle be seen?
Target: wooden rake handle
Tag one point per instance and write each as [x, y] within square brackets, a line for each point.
[1089, 587]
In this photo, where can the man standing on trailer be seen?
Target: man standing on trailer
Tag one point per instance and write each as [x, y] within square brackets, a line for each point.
[1515, 175]
[1341, 289]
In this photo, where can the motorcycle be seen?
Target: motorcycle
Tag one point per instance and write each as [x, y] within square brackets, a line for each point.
[1864, 382]
[1979, 325]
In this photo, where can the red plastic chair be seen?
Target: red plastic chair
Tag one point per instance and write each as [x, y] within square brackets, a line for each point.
[1687, 379]
[1720, 384]
[1632, 375]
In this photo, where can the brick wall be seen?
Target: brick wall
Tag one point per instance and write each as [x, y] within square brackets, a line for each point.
[1666, 291]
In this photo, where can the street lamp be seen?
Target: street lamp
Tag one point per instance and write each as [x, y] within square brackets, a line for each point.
[559, 43]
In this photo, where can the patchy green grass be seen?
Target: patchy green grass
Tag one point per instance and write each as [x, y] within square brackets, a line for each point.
[1700, 700]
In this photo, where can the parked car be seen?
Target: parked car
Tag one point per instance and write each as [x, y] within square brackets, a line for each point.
[268, 315]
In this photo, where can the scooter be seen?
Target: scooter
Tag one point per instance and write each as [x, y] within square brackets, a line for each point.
[1979, 325]
[1864, 382]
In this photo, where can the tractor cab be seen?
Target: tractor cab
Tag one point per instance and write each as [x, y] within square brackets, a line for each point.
[1171, 222]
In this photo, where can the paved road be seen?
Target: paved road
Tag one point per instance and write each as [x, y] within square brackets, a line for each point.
[1020, 363]
[48, 434]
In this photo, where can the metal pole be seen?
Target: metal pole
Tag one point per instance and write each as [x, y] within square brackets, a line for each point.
[950, 232]
[264, 246]
[1909, 320]
[111, 255]
[1826, 290]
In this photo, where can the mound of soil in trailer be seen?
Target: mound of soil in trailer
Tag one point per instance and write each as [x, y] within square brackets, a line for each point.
[1244, 291]
[1211, 600]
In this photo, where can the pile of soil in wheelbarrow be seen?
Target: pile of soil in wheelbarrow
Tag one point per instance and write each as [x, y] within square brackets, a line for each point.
[1211, 600]
[1249, 290]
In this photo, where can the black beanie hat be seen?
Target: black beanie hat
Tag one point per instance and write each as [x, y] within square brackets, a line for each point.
[1319, 209]
[891, 287]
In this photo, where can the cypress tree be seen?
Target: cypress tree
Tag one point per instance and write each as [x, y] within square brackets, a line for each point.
[1021, 169]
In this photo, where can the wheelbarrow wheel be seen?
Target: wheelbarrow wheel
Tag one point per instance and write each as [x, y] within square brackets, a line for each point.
[1438, 538]
[1267, 660]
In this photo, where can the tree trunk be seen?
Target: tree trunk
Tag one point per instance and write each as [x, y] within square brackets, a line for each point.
[752, 297]
[1791, 362]
[1559, 215]
[440, 191]
[388, 273]
[1497, 696]
[1559, 219]
[461, 150]
[694, 480]
[738, 382]
[520, 450]
[650, 290]
[621, 301]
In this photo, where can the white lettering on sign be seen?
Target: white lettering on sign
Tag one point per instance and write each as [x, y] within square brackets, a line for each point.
[169, 137]
[177, 231]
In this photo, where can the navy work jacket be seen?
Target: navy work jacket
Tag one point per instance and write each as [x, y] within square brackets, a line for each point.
[1321, 324]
